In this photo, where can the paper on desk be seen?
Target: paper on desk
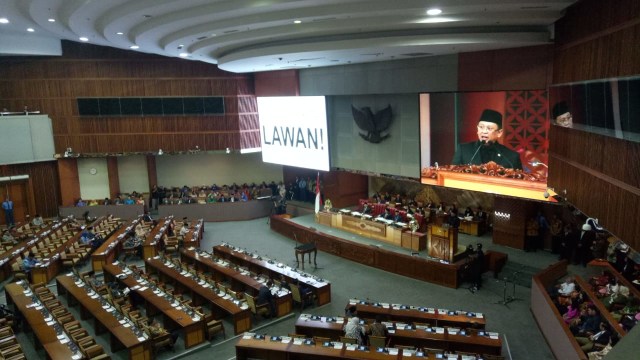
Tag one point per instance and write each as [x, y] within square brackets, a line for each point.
[76, 357]
[49, 323]
[143, 288]
[297, 341]
[64, 341]
[337, 345]
[479, 315]
[393, 351]
[127, 325]
[39, 307]
[141, 338]
[351, 347]
[407, 353]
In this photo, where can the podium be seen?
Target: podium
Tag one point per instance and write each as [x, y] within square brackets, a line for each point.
[443, 242]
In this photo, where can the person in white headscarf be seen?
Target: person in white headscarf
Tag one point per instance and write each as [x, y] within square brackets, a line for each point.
[354, 330]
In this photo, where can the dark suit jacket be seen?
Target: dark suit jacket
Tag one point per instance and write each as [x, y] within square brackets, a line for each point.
[496, 152]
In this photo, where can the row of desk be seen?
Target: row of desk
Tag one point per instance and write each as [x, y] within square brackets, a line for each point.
[201, 293]
[45, 335]
[174, 317]
[111, 248]
[399, 236]
[417, 336]
[423, 315]
[238, 280]
[121, 335]
[220, 211]
[276, 348]
[320, 287]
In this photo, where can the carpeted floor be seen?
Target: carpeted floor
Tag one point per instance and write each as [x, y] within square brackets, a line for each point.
[520, 335]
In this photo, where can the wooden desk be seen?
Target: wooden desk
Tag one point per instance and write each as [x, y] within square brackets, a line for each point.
[127, 212]
[416, 337]
[276, 350]
[193, 330]
[120, 336]
[307, 249]
[193, 237]
[320, 287]
[472, 227]
[44, 334]
[110, 249]
[219, 211]
[151, 244]
[415, 267]
[239, 281]
[431, 316]
[219, 305]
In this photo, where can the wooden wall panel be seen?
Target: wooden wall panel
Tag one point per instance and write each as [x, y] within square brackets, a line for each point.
[114, 179]
[600, 175]
[52, 85]
[69, 181]
[278, 83]
[594, 41]
[44, 181]
[527, 68]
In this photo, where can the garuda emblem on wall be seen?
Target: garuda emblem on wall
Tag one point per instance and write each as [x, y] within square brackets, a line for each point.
[375, 125]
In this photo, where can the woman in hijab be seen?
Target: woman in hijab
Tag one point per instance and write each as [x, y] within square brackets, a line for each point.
[354, 330]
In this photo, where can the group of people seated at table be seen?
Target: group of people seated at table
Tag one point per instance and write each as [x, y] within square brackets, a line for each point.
[617, 299]
[214, 193]
[120, 199]
[590, 329]
[354, 330]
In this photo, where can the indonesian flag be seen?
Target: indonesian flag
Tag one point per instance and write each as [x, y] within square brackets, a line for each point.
[318, 200]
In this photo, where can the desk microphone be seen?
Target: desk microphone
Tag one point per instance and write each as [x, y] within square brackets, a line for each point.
[506, 158]
[482, 142]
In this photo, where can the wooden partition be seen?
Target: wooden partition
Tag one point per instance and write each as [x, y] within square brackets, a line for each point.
[411, 266]
[560, 340]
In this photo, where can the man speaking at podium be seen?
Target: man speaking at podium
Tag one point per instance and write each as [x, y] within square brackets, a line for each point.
[487, 148]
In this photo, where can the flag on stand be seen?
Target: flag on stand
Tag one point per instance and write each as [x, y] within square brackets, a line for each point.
[318, 199]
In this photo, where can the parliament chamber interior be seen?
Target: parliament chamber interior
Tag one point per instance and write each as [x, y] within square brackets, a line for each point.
[289, 180]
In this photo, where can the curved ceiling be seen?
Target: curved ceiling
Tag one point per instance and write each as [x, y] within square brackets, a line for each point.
[267, 35]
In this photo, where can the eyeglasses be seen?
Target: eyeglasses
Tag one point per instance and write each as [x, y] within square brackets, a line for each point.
[487, 128]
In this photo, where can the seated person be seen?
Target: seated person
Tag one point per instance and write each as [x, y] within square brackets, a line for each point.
[7, 237]
[354, 330]
[398, 217]
[211, 198]
[377, 329]
[366, 208]
[597, 340]
[29, 263]
[588, 323]
[146, 217]
[387, 214]
[184, 230]
[266, 297]
[106, 201]
[132, 242]
[37, 220]
[93, 202]
[81, 202]
[129, 201]
[468, 212]
[87, 235]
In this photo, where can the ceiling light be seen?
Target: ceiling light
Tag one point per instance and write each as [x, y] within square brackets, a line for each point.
[119, 33]
[213, 35]
[134, 47]
[4, 21]
[184, 54]
[84, 38]
[30, 30]
[52, 20]
[434, 12]
[297, 21]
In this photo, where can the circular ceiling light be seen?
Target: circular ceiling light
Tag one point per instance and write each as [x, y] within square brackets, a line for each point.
[30, 30]
[134, 47]
[297, 21]
[83, 38]
[184, 54]
[119, 33]
[4, 21]
[434, 12]
[51, 20]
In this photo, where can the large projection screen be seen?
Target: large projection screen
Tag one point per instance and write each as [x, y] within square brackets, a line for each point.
[293, 131]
